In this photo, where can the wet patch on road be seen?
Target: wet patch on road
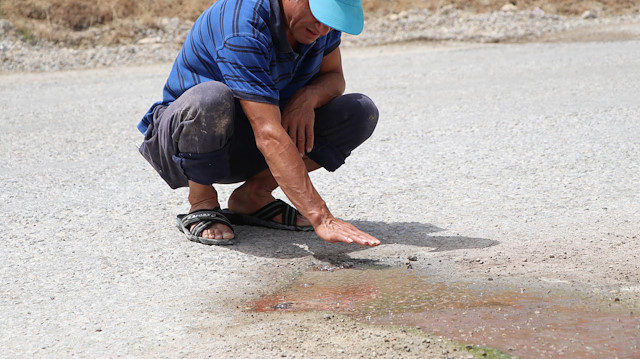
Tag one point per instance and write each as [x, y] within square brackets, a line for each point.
[528, 323]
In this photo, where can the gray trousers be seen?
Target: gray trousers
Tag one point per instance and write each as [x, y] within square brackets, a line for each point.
[205, 137]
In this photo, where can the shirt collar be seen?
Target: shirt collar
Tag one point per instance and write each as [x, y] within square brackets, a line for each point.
[278, 28]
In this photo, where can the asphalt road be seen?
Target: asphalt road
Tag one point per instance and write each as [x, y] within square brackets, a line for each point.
[523, 156]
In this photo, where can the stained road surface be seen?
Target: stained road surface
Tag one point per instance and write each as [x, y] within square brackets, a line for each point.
[515, 162]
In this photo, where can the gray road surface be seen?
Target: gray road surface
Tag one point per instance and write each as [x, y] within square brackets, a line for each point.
[524, 157]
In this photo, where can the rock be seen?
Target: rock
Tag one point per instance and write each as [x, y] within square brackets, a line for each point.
[509, 7]
[6, 27]
[170, 24]
[346, 265]
[447, 10]
[150, 40]
[537, 11]
[282, 306]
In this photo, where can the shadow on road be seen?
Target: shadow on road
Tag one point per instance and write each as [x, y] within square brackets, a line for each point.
[271, 243]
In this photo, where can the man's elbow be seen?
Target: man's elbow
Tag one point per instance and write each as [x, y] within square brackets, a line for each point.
[269, 138]
[341, 85]
[334, 83]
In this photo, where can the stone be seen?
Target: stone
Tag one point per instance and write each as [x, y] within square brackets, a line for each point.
[538, 11]
[447, 10]
[509, 7]
[6, 26]
[150, 40]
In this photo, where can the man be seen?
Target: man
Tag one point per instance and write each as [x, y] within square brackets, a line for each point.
[255, 95]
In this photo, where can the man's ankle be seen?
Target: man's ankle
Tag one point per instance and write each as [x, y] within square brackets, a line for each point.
[202, 196]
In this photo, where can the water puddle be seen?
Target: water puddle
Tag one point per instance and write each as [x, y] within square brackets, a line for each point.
[525, 323]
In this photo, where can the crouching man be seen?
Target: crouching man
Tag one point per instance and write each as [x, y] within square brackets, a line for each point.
[256, 96]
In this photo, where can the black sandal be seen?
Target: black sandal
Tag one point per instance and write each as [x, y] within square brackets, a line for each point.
[262, 217]
[204, 219]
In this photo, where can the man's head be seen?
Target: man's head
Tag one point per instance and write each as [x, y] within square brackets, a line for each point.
[307, 20]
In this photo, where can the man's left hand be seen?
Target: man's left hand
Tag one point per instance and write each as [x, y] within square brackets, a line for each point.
[298, 119]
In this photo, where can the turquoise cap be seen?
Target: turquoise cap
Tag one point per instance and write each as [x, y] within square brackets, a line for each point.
[342, 15]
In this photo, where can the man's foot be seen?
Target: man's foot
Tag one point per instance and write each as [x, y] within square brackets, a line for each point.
[194, 223]
[263, 217]
[243, 201]
[203, 197]
[215, 231]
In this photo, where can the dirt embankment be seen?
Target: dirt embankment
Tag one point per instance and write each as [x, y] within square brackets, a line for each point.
[67, 34]
[112, 22]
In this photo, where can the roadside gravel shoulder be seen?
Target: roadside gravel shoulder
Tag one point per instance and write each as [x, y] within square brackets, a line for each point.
[162, 44]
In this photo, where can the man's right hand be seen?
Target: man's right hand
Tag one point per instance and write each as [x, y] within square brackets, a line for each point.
[290, 173]
[334, 230]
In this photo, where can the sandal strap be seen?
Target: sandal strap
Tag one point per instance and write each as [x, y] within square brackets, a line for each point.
[289, 214]
[197, 229]
[204, 219]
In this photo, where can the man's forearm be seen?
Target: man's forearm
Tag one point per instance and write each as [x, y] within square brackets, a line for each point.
[284, 161]
[321, 90]
[274, 139]
[328, 85]
[289, 171]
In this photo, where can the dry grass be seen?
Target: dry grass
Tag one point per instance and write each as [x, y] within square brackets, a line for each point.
[63, 20]
[67, 21]
[81, 14]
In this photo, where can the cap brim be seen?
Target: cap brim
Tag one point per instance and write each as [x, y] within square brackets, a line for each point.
[339, 15]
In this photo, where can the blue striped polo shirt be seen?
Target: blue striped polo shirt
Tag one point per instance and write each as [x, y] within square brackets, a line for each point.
[243, 44]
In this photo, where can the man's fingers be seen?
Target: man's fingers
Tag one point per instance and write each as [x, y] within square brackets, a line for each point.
[300, 139]
[354, 235]
[291, 130]
[340, 231]
[372, 242]
[362, 238]
[309, 138]
[294, 134]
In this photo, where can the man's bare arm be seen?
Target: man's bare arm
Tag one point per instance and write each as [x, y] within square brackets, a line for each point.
[289, 170]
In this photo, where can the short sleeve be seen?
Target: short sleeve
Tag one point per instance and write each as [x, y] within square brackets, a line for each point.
[333, 41]
[244, 63]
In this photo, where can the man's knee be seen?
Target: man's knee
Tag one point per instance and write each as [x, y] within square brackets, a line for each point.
[347, 121]
[206, 117]
[342, 125]
[209, 97]
[365, 115]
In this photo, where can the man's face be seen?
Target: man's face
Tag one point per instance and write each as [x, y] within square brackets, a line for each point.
[302, 28]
